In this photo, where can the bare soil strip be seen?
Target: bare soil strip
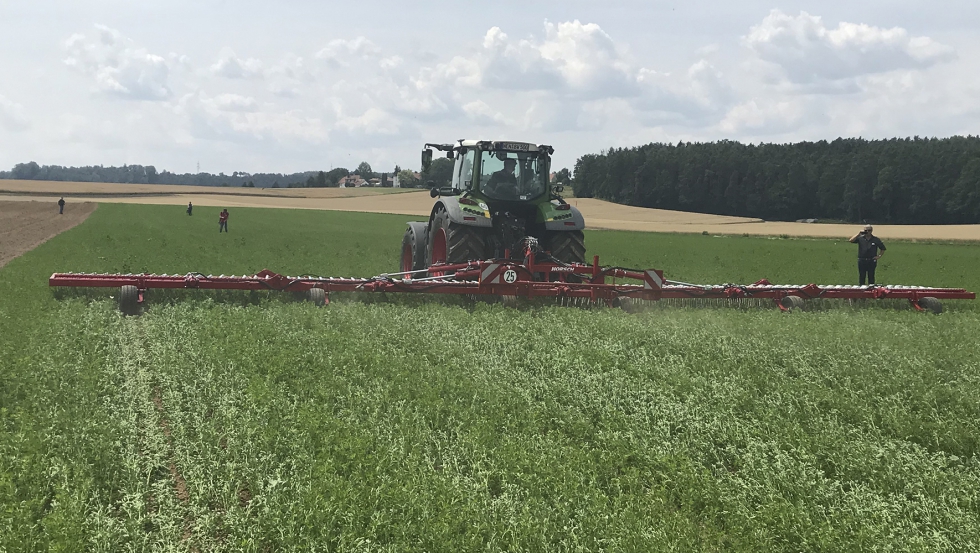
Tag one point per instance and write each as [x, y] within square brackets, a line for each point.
[26, 225]
[418, 204]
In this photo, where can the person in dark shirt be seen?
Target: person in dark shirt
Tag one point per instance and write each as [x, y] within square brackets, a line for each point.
[870, 250]
[503, 183]
[190, 208]
[61, 206]
[223, 221]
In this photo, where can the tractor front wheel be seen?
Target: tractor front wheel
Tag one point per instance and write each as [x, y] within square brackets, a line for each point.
[413, 248]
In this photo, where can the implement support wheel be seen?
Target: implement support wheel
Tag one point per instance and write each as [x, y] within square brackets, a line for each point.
[792, 303]
[317, 295]
[931, 305]
[129, 300]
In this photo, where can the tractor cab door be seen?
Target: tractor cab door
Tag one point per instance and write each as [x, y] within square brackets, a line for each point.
[463, 170]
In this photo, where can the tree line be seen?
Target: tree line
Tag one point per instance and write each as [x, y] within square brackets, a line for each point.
[902, 181]
[148, 174]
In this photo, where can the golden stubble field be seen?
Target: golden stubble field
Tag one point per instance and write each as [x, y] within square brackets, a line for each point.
[417, 203]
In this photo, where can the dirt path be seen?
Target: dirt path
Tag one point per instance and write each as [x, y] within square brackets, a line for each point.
[26, 225]
[598, 214]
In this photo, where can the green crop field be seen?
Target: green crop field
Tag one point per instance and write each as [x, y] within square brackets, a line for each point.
[242, 422]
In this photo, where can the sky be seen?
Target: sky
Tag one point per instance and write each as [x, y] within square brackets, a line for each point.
[301, 85]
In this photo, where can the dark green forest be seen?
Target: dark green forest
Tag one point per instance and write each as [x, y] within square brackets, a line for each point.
[904, 181]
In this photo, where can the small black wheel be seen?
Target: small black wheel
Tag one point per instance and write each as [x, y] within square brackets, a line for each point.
[792, 303]
[931, 305]
[317, 295]
[129, 300]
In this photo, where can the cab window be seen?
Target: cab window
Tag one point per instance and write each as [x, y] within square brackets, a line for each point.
[513, 176]
[463, 172]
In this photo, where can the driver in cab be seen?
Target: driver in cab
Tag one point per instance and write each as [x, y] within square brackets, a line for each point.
[503, 183]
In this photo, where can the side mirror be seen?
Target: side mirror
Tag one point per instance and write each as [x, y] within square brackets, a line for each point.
[450, 155]
[444, 191]
[426, 159]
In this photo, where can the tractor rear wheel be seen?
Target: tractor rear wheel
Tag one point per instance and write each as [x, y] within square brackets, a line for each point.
[450, 242]
[567, 246]
[413, 248]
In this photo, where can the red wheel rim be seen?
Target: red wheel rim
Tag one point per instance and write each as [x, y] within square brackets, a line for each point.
[439, 254]
[407, 258]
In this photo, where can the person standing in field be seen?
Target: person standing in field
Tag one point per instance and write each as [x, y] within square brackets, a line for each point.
[868, 253]
[223, 221]
[190, 208]
[61, 206]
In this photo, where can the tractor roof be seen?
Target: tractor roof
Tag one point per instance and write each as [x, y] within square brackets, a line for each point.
[513, 146]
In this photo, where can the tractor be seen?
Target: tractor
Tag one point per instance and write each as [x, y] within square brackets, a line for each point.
[499, 205]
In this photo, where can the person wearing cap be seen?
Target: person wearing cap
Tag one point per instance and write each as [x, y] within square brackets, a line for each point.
[868, 253]
[503, 182]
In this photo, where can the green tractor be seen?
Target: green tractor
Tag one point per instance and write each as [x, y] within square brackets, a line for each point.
[499, 204]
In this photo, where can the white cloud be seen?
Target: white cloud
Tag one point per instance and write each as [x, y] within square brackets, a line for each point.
[13, 117]
[118, 66]
[806, 51]
[576, 59]
[480, 113]
[238, 118]
[344, 53]
[232, 102]
[231, 66]
[762, 118]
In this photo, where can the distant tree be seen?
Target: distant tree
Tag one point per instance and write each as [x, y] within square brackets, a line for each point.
[311, 182]
[321, 180]
[333, 176]
[963, 199]
[364, 170]
[440, 173]
[407, 179]
[26, 171]
[563, 176]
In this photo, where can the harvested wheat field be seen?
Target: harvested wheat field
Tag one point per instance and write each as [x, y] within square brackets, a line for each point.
[598, 214]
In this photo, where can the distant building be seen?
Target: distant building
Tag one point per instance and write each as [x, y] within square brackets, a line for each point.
[351, 181]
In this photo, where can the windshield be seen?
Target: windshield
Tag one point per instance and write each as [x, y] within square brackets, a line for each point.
[512, 176]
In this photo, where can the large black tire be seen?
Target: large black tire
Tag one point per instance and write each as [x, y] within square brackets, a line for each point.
[462, 243]
[566, 246]
[129, 297]
[414, 246]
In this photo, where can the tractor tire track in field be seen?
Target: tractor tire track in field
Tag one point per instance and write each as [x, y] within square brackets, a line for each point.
[167, 494]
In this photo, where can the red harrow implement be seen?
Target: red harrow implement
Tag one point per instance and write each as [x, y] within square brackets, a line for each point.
[509, 278]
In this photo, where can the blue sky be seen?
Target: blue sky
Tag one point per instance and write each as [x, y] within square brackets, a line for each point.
[300, 85]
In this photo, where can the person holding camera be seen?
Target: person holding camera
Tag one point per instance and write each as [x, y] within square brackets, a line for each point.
[868, 253]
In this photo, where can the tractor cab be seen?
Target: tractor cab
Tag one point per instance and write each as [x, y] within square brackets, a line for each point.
[512, 172]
